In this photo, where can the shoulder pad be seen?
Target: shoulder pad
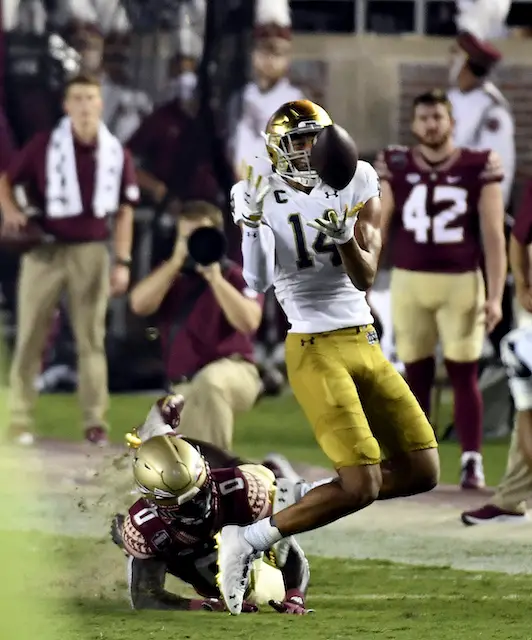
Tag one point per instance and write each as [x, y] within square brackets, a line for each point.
[397, 157]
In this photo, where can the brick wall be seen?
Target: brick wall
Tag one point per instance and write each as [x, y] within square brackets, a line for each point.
[514, 80]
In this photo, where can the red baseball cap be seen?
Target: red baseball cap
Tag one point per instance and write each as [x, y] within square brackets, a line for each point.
[478, 51]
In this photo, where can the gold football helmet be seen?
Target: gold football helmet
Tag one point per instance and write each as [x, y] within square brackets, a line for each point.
[289, 127]
[174, 476]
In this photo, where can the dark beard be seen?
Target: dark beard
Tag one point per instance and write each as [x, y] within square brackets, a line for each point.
[435, 144]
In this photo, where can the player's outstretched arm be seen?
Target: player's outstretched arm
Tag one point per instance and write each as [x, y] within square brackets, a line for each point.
[258, 240]
[146, 579]
[258, 257]
[361, 260]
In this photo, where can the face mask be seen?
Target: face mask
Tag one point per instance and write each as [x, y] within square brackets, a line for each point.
[457, 65]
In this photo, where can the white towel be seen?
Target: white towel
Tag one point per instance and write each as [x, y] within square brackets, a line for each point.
[63, 196]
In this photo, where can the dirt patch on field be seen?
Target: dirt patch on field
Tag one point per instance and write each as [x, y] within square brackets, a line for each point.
[80, 487]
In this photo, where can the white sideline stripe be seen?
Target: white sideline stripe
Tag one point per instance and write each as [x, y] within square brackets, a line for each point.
[417, 596]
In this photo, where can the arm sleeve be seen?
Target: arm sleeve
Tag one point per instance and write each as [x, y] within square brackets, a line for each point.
[145, 580]
[497, 134]
[258, 246]
[258, 257]
[236, 278]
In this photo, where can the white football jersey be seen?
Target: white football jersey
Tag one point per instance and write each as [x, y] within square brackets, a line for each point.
[310, 282]
[516, 354]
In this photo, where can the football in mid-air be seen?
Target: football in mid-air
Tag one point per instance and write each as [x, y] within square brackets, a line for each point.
[334, 156]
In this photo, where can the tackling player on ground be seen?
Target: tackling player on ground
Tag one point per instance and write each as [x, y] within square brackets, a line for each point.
[298, 234]
[441, 206]
[185, 502]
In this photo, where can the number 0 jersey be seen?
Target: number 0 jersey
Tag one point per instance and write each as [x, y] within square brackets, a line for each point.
[435, 226]
[240, 496]
[310, 282]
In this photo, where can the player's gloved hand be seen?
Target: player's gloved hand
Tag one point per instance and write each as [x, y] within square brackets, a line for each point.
[216, 604]
[337, 226]
[293, 604]
[163, 419]
[170, 408]
[256, 191]
[117, 526]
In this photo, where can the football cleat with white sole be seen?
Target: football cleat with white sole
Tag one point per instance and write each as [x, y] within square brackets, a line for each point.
[235, 558]
[281, 467]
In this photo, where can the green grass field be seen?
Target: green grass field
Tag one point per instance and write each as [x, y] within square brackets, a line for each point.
[67, 588]
[275, 424]
[359, 600]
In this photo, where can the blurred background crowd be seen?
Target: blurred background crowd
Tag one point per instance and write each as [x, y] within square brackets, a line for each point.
[187, 87]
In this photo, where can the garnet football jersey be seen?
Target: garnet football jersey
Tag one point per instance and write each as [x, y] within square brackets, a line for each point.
[239, 497]
[435, 226]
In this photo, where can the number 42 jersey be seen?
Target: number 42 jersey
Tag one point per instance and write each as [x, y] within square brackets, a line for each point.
[435, 226]
[310, 282]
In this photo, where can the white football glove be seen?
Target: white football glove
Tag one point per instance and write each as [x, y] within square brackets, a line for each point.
[254, 196]
[338, 226]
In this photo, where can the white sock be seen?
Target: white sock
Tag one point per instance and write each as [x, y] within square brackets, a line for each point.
[305, 487]
[471, 455]
[262, 535]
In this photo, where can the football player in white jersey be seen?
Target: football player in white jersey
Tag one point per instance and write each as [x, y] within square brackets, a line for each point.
[298, 234]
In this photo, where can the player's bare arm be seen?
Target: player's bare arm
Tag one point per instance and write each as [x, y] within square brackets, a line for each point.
[360, 255]
[491, 211]
[386, 195]
[387, 209]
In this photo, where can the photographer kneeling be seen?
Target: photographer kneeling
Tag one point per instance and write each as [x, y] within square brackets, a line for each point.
[206, 317]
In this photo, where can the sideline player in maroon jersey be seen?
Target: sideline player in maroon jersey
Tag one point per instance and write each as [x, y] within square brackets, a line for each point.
[443, 214]
[171, 529]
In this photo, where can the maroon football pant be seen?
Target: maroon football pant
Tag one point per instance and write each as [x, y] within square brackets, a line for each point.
[463, 377]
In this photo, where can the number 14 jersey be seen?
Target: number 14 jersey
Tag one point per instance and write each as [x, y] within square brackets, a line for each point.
[310, 282]
[435, 226]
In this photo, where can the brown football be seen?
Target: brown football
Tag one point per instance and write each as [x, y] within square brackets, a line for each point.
[334, 156]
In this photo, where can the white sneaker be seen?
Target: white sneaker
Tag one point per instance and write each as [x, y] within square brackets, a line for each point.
[235, 557]
[25, 439]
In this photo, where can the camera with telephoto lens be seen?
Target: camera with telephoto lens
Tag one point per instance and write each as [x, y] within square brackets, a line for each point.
[207, 245]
